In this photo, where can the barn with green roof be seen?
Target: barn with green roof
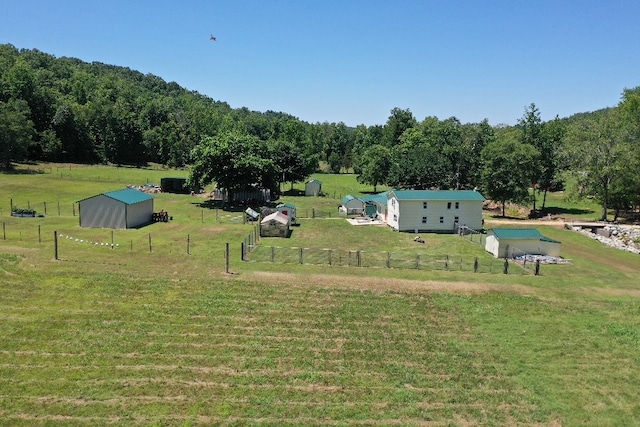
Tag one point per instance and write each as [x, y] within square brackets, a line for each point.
[128, 208]
[514, 242]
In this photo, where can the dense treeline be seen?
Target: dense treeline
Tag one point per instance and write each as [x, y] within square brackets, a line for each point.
[67, 110]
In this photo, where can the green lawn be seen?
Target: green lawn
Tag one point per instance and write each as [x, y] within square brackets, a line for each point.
[128, 336]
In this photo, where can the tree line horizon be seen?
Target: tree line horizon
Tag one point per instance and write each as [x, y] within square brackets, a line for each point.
[67, 110]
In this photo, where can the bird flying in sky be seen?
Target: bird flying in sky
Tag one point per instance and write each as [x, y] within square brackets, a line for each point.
[212, 37]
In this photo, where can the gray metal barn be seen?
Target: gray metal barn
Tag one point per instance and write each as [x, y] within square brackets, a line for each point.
[128, 208]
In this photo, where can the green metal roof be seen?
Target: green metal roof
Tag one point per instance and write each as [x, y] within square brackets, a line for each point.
[317, 181]
[348, 198]
[286, 205]
[380, 198]
[453, 195]
[129, 196]
[521, 233]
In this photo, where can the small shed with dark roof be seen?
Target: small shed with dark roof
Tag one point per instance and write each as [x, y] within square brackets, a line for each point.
[514, 242]
[128, 208]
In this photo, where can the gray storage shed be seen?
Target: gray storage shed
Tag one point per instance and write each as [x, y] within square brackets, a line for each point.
[313, 188]
[128, 208]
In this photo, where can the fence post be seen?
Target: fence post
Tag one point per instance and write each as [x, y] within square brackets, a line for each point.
[417, 262]
[330, 254]
[446, 263]
[39, 235]
[537, 271]
[242, 251]
[55, 244]
[301, 260]
[388, 259]
[150, 243]
[45, 208]
[188, 244]
[273, 254]
[4, 230]
[475, 265]
[226, 257]
[358, 259]
[506, 266]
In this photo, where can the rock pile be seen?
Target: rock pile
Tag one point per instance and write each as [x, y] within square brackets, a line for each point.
[616, 236]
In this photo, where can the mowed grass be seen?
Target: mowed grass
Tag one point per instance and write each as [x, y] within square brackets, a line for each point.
[136, 337]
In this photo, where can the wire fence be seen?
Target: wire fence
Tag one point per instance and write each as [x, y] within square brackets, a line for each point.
[378, 259]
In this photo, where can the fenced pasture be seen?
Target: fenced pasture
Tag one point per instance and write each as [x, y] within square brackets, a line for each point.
[133, 337]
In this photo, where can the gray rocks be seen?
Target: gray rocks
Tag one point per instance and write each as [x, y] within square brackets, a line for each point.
[615, 236]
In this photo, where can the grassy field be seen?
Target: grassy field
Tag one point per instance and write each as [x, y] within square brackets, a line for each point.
[132, 336]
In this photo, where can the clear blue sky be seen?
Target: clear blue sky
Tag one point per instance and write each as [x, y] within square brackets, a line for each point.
[352, 61]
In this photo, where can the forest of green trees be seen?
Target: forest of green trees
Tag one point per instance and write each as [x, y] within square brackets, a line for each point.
[66, 110]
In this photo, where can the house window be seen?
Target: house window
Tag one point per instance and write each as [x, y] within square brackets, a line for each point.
[456, 220]
[393, 202]
[457, 205]
[424, 219]
[395, 218]
[449, 205]
[441, 220]
[424, 205]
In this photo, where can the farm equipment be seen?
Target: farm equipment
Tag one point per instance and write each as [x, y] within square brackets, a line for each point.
[161, 216]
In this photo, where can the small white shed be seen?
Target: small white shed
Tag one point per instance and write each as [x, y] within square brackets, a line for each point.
[313, 187]
[514, 242]
[128, 208]
[275, 225]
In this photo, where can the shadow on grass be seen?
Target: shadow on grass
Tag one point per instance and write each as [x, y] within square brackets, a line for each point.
[567, 211]
[236, 207]
[14, 171]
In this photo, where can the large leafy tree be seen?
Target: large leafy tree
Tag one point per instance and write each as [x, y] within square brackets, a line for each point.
[16, 130]
[599, 153]
[375, 165]
[234, 161]
[398, 122]
[508, 166]
[476, 136]
[292, 162]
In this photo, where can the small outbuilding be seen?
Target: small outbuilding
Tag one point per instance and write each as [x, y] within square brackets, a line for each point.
[514, 242]
[174, 185]
[275, 225]
[128, 208]
[289, 210]
[313, 188]
[352, 205]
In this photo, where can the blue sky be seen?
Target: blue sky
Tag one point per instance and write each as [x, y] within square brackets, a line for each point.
[352, 61]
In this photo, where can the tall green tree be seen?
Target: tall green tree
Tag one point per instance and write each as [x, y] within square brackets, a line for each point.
[375, 165]
[508, 166]
[532, 133]
[234, 161]
[16, 130]
[598, 149]
[399, 121]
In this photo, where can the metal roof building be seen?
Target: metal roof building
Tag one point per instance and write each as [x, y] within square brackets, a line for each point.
[513, 242]
[128, 208]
